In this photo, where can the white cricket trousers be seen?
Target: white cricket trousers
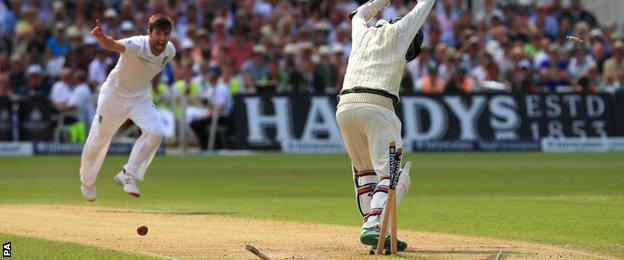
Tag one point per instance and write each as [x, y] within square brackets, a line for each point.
[367, 130]
[112, 111]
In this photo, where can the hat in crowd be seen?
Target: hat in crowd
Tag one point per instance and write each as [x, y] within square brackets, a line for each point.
[306, 46]
[202, 33]
[338, 48]
[73, 31]
[321, 26]
[110, 13]
[290, 49]
[497, 16]
[127, 26]
[33, 69]
[259, 49]
[187, 44]
[324, 50]
[595, 33]
[524, 64]
[89, 40]
[266, 30]
[473, 40]
[618, 45]
[57, 5]
[218, 21]
[16, 57]
[525, 2]
[59, 26]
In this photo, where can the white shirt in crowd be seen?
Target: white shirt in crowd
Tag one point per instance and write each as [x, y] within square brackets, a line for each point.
[97, 70]
[218, 95]
[132, 75]
[61, 92]
[81, 99]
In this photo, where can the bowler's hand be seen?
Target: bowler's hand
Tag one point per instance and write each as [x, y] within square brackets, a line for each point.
[97, 30]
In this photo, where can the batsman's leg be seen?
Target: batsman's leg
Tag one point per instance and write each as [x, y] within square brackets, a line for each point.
[358, 123]
[382, 127]
[364, 177]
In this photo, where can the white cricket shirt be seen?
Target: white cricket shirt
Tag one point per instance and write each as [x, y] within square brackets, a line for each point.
[377, 58]
[132, 75]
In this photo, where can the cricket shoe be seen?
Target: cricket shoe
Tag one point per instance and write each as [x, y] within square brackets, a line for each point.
[369, 237]
[128, 183]
[88, 192]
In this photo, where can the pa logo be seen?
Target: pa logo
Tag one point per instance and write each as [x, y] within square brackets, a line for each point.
[6, 249]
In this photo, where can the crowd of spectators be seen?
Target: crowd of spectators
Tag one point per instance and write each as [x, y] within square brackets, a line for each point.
[302, 46]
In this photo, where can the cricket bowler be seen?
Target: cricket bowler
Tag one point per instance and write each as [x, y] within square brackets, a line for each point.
[365, 110]
[124, 95]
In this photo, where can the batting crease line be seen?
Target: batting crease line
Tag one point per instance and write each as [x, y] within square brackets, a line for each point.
[157, 255]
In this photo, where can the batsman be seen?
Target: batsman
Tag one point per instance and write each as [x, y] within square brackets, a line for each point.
[365, 112]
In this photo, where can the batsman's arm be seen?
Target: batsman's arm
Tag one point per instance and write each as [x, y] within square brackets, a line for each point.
[412, 21]
[107, 42]
[364, 13]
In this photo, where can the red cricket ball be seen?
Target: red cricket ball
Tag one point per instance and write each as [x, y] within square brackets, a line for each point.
[142, 230]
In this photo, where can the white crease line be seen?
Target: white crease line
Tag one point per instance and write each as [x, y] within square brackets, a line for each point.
[154, 254]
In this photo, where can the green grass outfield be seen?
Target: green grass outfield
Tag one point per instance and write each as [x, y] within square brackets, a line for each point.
[560, 199]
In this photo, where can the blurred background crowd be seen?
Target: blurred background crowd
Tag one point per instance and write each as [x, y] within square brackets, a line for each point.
[302, 46]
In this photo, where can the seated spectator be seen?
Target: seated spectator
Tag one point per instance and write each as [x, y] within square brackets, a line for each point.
[254, 68]
[486, 70]
[57, 47]
[595, 79]
[219, 104]
[62, 89]
[162, 96]
[5, 90]
[190, 89]
[127, 29]
[98, 68]
[240, 48]
[407, 84]
[615, 63]
[431, 83]
[35, 85]
[459, 82]
[620, 87]
[82, 106]
[583, 85]
[273, 81]
[230, 79]
[555, 77]
[523, 79]
[325, 73]
[300, 80]
[17, 75]
[580, 63]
